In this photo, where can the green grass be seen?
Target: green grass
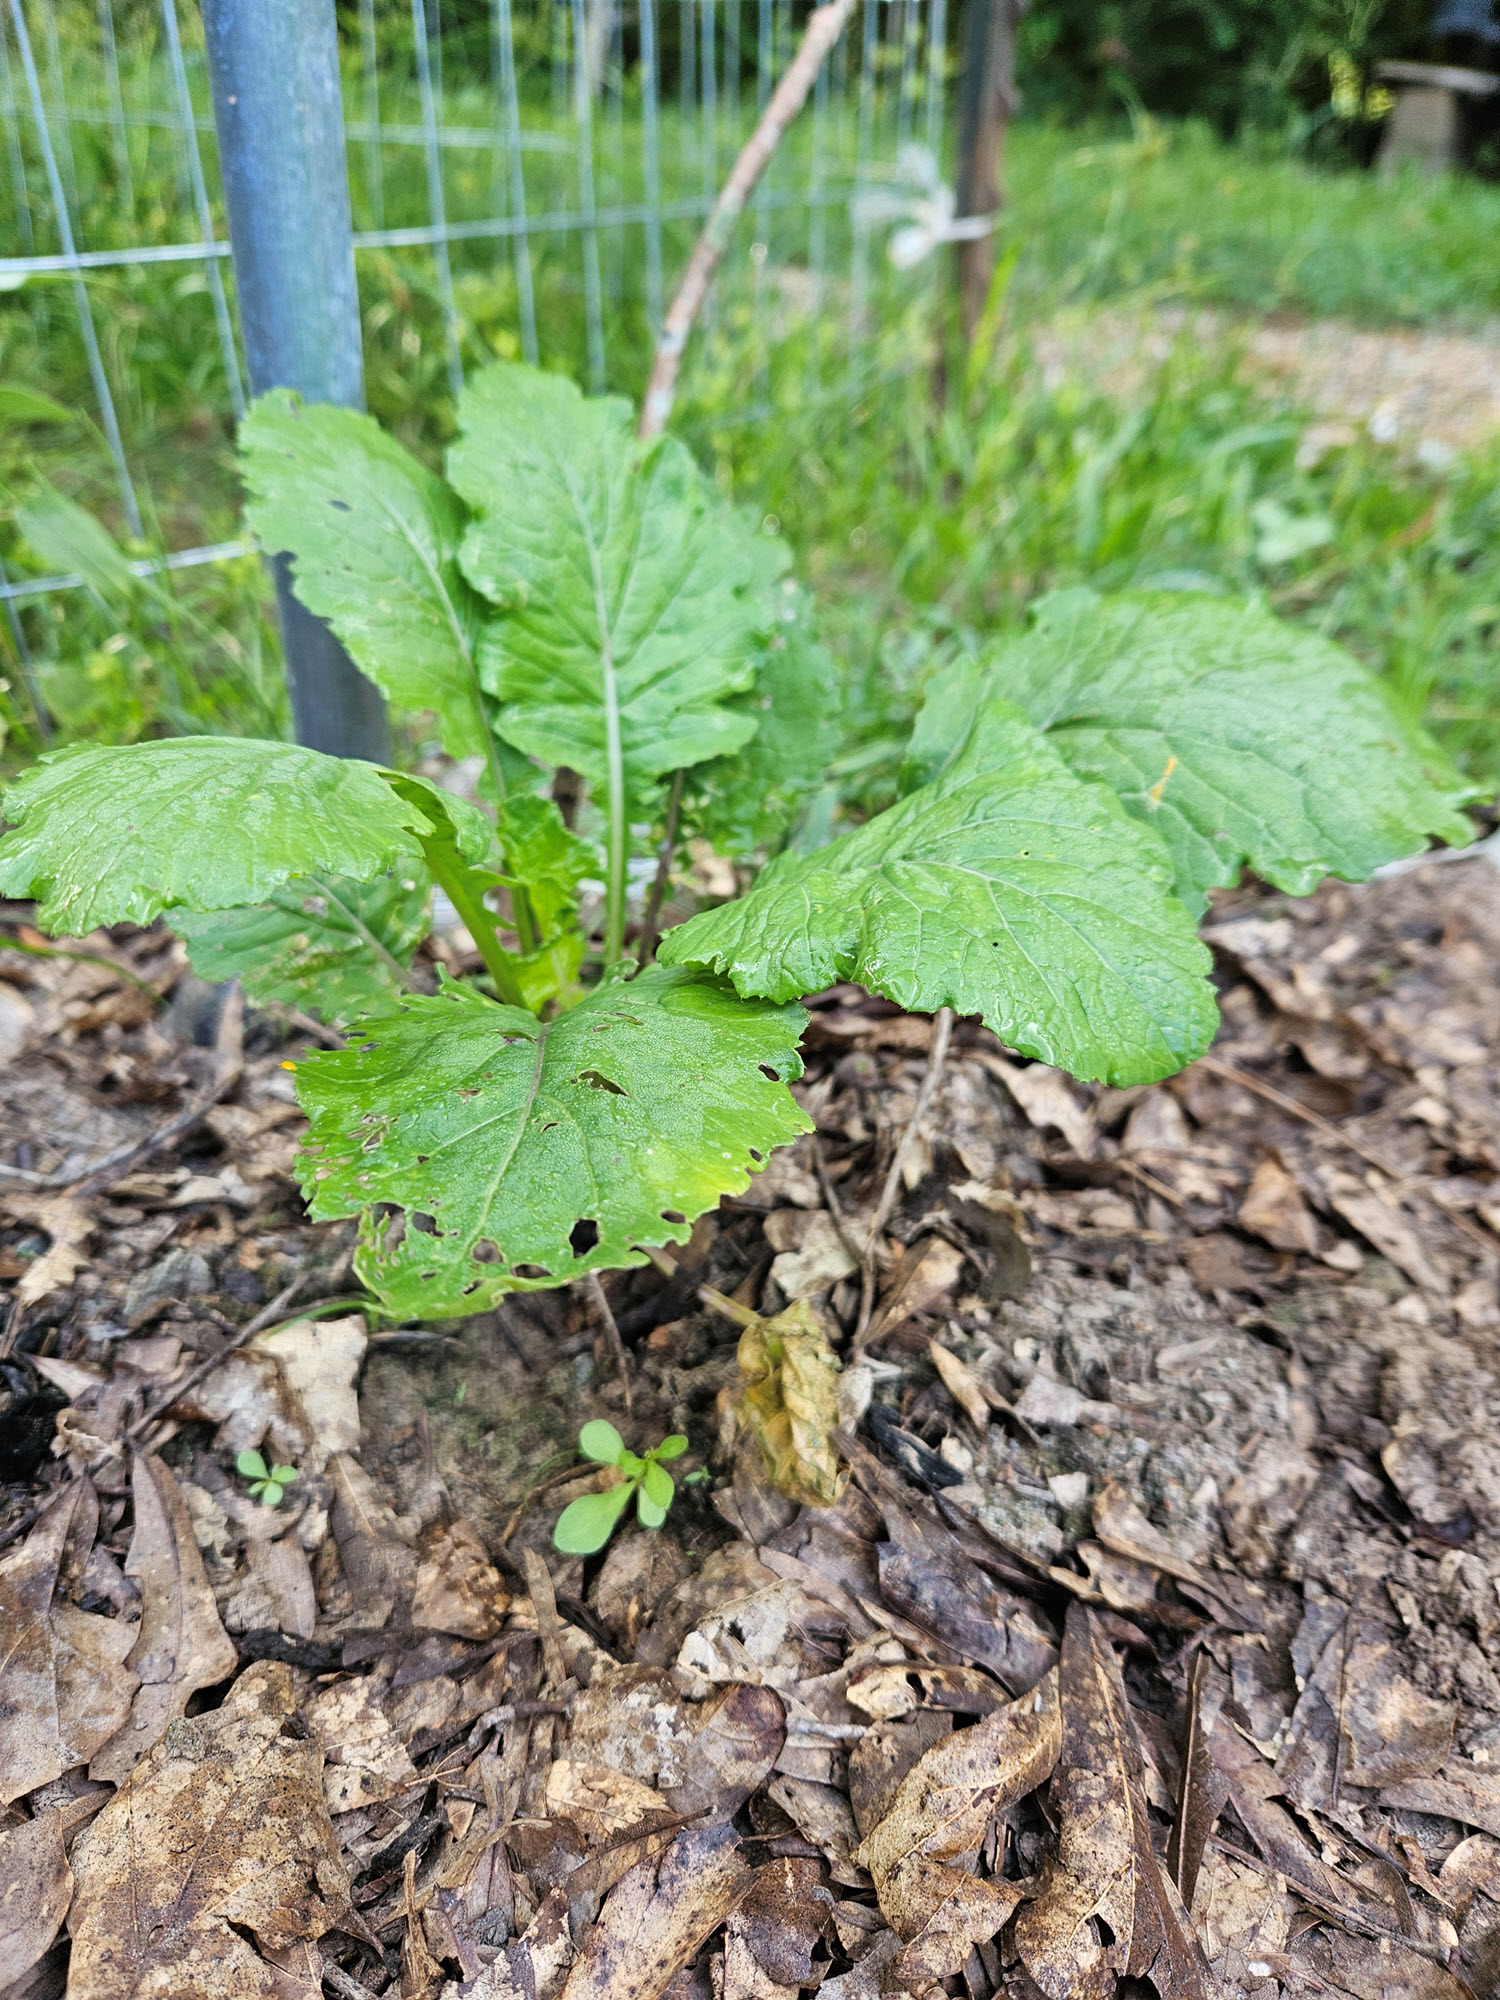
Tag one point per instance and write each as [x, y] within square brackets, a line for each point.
[924, 528]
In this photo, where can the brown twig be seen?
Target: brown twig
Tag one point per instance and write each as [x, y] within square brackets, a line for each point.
[646, 947]
[611, 1327]
[942, 1028]
[823, 30]
[834, 1205]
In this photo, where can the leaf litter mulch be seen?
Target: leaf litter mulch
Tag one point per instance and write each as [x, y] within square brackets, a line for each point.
[1150, 1642]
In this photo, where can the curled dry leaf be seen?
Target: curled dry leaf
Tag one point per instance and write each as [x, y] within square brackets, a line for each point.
[962, 1384]
[64, 1685]
[458, 1589]
[1274, 1210]
[657, 1916]
[921, 1854]
[181, 1645]
[1106, 1909]
[221, 1830]
[69, 1222]
[791, 1402]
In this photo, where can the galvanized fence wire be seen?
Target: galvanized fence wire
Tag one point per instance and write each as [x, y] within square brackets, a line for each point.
[588, 134]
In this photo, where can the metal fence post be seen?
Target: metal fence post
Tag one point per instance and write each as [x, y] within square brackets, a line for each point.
[987, 100]
[274, 68]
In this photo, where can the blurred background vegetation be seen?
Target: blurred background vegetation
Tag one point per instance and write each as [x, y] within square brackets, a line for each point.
[1182, 174]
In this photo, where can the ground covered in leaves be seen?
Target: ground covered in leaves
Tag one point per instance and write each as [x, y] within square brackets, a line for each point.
[1151, 1640]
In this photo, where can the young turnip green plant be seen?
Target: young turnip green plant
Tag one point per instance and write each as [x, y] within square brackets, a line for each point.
[570, 598]
[585, 1525]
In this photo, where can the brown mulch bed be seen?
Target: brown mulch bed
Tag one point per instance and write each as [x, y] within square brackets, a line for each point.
[1169, 1554]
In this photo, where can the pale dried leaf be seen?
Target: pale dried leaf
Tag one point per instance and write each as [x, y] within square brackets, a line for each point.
[69, 1222]
[1105, 1882]
[1046, 1097]
[64, 1685]
[282, 1569]
[182, 1646]
[458, 1589]
[791, 1401]
[1386, 1228]
[654, 1920]
[600, 1802]
[377, 1564]
[36, 1886]
[920, 1855]
[366, 1761]
[813, 1255]
[319, 1361]
[220, 1829]
[1273, 1209]
[962, 1384]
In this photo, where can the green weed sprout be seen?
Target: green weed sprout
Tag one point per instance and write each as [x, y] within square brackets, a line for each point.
[267, 1483]
[587, 1524]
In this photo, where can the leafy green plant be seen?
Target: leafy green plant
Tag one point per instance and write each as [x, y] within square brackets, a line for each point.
[573, 599]
[585, 1525]
[268, 1483]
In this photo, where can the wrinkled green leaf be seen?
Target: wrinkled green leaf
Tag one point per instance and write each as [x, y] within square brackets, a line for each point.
[601, 1441]
[656, 1484]
[584, 1526]
[1241, 740]
[117, 835]
[548, 862]
[374, 539]
[509, 1145]
[624, 581]
[745, 803]
[1006, 888]
[331, 946]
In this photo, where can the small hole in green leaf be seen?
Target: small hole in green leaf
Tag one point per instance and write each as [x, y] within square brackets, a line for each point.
[530, 1271]
[485, 1252]
[595, 1081]
[673, 1215]
[583, 1236]
[426, 1223]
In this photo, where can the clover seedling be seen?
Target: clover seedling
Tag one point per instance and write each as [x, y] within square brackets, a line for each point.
[267, 1483]
[586, 1525]
[569, 598]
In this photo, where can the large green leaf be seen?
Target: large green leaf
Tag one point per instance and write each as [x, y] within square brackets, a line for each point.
[1239, 738]
[374, 540]
[746, 802]
[548, 862]
[113, 835]
[334, 947]
[523, 1156]
[1006, 888]
[624, 581]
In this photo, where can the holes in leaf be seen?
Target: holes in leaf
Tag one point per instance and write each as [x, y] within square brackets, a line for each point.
[757, 1157]
[340, 506]
[596, 1081]
[530, 1271]
[766, 1070]
[550, 1126]
[485, 1252]
[1102, 1931]
[673, 1215]
[426, 1223]
[583, 1236]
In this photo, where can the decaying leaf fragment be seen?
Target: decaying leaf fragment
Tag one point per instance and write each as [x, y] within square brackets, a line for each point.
[656, 1917]
[1107, 1910]
[36, 1886]
[219, 1831]
[921, 1854]
[64, 1685]
[791, 1402]
[181, 1646]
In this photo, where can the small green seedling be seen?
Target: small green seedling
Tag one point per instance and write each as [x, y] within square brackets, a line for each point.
[587, 1524]
[267, 1483]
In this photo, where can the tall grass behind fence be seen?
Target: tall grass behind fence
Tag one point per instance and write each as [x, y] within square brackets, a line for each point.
[527, 178]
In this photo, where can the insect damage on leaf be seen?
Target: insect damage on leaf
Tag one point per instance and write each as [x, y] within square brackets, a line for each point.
[490, 1134]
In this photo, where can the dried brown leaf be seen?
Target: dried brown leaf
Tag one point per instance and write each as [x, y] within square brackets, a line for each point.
[1386, 1228]
[181, 1646]
[791, 1402]
[1274, 1210]
[962, 1384]
[654, 1920]
[921, 1853]
[1463, 1791]
[319, 1362]
[1106, 1909]
[458, 1589]
[64, 1685]
[36, 1886]
[377, 1564]
[739, 1737]
[221, 1829]
[70, 1223]
[882, 1758]
[782, 1917]
[1203, 1788]
[365, 1760]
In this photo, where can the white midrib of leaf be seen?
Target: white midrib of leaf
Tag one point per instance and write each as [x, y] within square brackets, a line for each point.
[614, 752]
[392, 964]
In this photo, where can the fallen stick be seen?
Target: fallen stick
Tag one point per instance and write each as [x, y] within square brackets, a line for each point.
[788, 98]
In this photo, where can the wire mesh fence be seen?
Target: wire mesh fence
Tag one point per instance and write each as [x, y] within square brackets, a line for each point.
[527, 179]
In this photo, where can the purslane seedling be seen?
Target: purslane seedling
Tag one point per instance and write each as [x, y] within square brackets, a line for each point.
[268, 1483]
[586, 1524]
[570, 598]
